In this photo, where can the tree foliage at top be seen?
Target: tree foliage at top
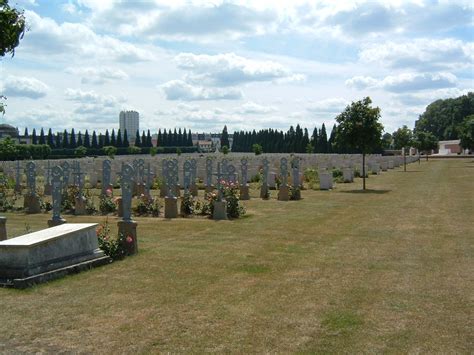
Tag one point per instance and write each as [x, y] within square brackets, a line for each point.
[466, 133]
[359, 126]
[444, 118]
[12, 28]
[402, 138]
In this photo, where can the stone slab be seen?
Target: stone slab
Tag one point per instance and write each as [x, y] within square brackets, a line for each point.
[48, 250]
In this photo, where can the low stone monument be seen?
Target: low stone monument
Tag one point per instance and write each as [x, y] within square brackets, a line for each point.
[126, 226]
[244, 186]
[56, 193]
[283, 192]
[325, 180]
[49, 254]
[31, 201]
[348, 174]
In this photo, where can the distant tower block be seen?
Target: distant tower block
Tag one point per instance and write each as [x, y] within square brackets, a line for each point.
[129, 120]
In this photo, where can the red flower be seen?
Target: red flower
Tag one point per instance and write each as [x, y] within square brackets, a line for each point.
[129, 239]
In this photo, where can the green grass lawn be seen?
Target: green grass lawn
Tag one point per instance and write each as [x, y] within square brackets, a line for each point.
[389, 270]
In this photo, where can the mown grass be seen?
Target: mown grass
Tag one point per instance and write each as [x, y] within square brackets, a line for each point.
[335, 272]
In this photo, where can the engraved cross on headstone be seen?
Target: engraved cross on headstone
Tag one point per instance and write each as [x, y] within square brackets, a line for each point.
[126, 179]
[295, 168]
[30, 172]
[243, 170]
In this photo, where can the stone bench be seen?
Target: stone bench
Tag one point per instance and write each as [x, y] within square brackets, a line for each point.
[48, 254]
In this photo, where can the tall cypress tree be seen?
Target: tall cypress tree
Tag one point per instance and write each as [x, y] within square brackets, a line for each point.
[126, 143]
[315, 140]
[119, 139]
[332, 140]
[73, 143]
[80, 142]
[113, 140]
[165, 138]
[225, 138]
[305, 140]
[87, 140]
[94, 142]
[184, 138]
[190, 139]
[65, 141]
[181, 140]
[34, 139]
[149, 142]
[323, 139]
[137, 139]
[175, 138]
[42, 139]
[106, 142]
[101, 141]
[26, 135]
[57, 143]
[159, 142]
[143, 139]
[50, 139]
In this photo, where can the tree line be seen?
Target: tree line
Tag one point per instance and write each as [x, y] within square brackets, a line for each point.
[71, 140]
[294, 140]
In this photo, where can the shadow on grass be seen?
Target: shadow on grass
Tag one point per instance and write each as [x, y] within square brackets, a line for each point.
[409, 171]
[366, 191]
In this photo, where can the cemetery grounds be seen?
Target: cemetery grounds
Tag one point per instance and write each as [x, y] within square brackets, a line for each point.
[386, 270]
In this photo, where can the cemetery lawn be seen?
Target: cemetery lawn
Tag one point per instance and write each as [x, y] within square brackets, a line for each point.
[389, 270]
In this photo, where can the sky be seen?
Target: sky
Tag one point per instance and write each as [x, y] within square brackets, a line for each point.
[249, 65]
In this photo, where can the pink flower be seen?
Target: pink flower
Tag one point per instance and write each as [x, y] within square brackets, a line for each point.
[108, 192]
[129, 239]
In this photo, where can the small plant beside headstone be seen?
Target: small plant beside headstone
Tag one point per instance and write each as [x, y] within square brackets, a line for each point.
[116, 248]
[106, 203]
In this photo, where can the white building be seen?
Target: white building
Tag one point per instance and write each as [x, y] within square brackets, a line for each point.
[129, 120]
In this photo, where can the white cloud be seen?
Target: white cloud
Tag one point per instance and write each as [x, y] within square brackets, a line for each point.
[230, 69]
[421, 53]
[426, 97]
[180, 20]
[361, 82]
[405, 82]
[24, 87]
[331, 106]
[95, 107]
[180, 90]
[91, 97]
[98, 75]
[48, 37]
[254, 108]
[415, 82]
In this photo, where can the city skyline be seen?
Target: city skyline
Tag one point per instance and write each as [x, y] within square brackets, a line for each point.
[202, 66]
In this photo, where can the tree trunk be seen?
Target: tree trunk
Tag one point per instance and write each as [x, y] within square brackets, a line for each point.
[363, 171]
